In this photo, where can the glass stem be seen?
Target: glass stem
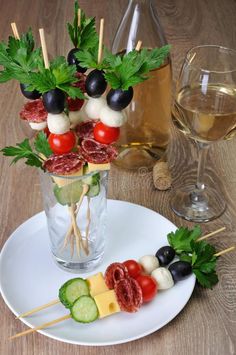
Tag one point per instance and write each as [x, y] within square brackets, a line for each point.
[202, 155]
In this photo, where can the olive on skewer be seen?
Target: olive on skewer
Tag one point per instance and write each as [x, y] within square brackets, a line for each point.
[118, 99]
[72, 60]
[95, 83]
[54, 101]
[31, 95]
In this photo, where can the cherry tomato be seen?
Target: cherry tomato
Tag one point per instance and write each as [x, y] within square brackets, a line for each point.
[62, 143]
[148, 286]
[134, 268]
[104, 134]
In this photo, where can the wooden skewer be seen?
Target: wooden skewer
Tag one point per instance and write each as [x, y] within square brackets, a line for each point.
[15, 30]
[79, 17]
[225, 251]
[101, 33]
[37, 309]
[211, 234]
[138, 46]
[42, 326]
[44, 48]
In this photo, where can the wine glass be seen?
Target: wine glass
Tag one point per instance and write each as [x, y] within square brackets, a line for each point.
[205, 110]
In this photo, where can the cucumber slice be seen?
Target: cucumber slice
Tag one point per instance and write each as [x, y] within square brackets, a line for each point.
[93, 190]
[69, 193]
[71, 290]
[94, 185]
[84, 310]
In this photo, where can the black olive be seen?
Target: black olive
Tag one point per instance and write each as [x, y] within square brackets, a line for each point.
[95, 84]
[165, 255]
[180, 270]
[54, 101]
[31, 95]
[118, 99]
[73, 61]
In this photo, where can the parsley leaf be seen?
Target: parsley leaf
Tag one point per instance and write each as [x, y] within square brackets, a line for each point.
[181, 239]
[60, 75]
[206, 280]
[41, 145]
[85, 35]
[23, 150]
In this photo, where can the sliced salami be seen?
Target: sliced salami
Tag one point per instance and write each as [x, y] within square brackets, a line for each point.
[85, 129]
[129, 295]
[34, 111]
[64, 164]
[97, 153]
[81, 81]
[114, 273]
[74, 104]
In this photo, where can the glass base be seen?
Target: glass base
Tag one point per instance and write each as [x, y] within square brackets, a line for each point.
[187, 203]
[79, 267]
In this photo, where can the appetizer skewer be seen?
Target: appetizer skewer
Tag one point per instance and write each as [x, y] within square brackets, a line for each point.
[164, 256]
[123, 288]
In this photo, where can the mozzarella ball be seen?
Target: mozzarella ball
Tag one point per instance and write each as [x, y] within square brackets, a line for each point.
[74, 117]
[149, 263]
[59, 123]
[112, 118]
[38, 126]
[163, 278]
[94, 107]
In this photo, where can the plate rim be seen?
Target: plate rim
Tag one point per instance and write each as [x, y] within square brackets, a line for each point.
[41, 215]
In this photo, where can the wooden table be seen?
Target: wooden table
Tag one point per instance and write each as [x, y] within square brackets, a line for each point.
[207, 325]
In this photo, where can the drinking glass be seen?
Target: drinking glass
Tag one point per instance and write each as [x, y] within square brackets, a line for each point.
[204, 110]
[76, 212]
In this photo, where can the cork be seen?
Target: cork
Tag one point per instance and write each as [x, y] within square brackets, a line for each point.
[161, 176]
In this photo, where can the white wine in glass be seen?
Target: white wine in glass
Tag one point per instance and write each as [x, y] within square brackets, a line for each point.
[204, 110]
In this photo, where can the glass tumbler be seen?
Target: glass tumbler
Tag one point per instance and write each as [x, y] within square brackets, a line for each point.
[76, 211]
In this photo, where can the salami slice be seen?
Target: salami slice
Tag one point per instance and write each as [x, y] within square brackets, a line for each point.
[114, 273]
[81, 81]
[97, 153]
[34, 111]
[129, 295]
[74, 104]
[64, 164]
[85, 129]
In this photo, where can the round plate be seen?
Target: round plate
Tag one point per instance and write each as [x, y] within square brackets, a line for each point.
[29, 277]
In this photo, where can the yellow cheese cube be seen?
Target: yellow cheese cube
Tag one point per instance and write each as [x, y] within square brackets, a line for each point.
[98, 167]
[63, 181]
[107, 303]
[97, 284]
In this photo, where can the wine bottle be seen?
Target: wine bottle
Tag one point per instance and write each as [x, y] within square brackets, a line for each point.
[145, 136]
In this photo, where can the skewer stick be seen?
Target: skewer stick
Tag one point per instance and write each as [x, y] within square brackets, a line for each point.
[101, 33]
[211, 234]
[79, 17]
[89, 221]
[37, 309]
[138, 46]
[15, 30]
[42, 326]
[44, 48]
[225, 251]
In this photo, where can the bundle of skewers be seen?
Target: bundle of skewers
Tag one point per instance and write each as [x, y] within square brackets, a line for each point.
[128, 285]
[76, 118]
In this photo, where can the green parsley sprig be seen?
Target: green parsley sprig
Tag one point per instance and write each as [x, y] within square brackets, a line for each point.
[60, 75]
[83, 36]
[32, 155]
[198, 253]
[123, 71]
[19, 58]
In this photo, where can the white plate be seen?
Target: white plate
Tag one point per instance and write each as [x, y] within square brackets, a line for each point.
[29, 277]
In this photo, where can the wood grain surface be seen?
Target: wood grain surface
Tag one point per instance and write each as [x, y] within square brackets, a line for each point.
[207, 325]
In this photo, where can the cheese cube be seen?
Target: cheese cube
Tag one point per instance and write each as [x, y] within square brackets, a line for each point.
[97, 284]
[107, 303]
[98, 167]
[63, 181]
